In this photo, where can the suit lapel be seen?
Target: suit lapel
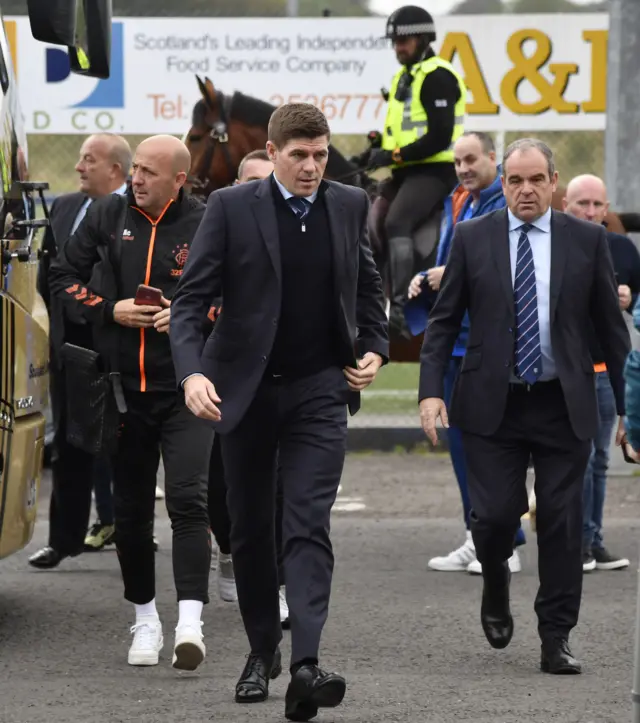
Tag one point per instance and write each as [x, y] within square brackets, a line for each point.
[265, 213]
[502, 257]
[62, 222]
[337, 228]
[559, 253]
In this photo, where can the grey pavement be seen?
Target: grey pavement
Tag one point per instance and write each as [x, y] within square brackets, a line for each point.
[407, 639]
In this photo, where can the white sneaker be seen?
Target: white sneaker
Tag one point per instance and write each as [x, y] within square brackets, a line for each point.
[284, 608]
[475, 568]
[159, 493]
[226, 579]
[456, 561]
[189, 649]
[147, 641]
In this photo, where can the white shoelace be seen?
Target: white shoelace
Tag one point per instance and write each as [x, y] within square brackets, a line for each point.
[145, 636]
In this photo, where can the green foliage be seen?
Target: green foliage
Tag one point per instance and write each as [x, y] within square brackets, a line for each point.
[554, 6]
[481, 7]
[478, 7]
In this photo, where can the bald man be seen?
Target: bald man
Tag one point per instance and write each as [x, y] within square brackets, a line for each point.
[586, 198]
[144, 238]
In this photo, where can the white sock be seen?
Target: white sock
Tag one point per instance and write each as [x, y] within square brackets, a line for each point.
[146, 610]
[190, 612]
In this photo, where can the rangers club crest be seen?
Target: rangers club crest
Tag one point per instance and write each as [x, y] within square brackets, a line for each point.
[180, 255]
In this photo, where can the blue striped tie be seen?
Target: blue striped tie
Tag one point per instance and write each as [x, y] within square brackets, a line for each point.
[300, 206]
[528, 358]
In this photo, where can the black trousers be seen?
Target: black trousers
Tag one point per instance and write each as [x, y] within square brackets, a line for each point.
[160, 422]
[72, 473]
[219, 511]
[413, 198]
[536, 424]
[302, 423]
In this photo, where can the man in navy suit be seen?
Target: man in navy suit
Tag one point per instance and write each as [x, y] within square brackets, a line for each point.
[302, 331]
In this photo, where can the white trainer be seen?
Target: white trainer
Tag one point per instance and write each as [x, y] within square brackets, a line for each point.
[284, 608]
[189, 649]
[456, 561]
[475, 568]
[226, 579]
[147, 641]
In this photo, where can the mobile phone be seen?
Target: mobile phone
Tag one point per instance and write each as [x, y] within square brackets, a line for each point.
[148, 296]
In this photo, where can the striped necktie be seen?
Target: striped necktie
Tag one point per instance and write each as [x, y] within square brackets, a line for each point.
[300, 206]
[528, 357]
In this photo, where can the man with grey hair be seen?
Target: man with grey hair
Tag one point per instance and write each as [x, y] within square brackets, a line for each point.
[103, 167]
[533, 281]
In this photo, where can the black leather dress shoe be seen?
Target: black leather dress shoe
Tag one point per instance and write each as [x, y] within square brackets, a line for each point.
[311, 688]
[556, 658]
[495, 612]
[46, 559]
[253, 685]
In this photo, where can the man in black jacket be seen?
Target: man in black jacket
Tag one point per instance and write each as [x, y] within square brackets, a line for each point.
[144, 238]
[586, 198]
[103, 166]
[302, 300]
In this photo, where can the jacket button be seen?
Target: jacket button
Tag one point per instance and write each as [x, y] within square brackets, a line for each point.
[263, 358]
[510, 330]
[506, 363]
[274, 322]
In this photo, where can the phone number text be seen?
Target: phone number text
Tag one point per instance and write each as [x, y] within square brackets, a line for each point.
[335, 107]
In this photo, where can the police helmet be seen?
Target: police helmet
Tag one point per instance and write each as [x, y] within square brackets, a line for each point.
[411, 20]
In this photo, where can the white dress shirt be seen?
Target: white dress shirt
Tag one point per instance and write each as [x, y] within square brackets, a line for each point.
[540, 240]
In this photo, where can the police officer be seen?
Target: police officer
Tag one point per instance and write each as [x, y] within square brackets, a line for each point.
[425, 116]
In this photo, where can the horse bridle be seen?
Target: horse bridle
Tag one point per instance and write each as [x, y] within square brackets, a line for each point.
[218, 136]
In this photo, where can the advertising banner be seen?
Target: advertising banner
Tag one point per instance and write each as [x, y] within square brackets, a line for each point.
[523, 72]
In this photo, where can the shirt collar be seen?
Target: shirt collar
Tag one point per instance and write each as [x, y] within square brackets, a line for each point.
[542, 224]
[287, 194]
[120, 191]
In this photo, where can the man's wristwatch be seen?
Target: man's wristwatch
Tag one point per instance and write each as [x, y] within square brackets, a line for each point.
[396, 156]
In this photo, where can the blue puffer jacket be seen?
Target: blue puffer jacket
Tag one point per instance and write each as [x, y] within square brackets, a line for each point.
[416, 311]
[632, 390]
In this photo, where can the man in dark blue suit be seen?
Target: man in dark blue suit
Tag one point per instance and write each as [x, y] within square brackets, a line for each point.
[302, 331]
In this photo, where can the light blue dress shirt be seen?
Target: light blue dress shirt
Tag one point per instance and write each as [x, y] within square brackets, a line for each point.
[540, 240]
[83, 209]
[287, 194]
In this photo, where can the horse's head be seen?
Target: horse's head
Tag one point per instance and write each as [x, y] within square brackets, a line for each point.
[225, 128]
[218, 140]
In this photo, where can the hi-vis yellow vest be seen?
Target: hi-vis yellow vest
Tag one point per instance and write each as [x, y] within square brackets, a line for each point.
[407, 121]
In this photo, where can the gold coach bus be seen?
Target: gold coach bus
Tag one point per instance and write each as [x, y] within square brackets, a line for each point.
[84, 27]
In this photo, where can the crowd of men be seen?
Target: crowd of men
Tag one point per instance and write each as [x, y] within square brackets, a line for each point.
[245, 396]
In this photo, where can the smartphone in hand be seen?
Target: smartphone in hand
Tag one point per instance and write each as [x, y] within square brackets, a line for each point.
[148, 296]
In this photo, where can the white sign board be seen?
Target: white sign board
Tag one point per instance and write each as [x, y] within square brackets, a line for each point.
[524, 72]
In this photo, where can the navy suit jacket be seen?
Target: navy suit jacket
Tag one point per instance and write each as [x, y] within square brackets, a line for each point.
[236, 255]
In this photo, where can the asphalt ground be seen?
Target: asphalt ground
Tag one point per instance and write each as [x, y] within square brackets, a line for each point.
[407, 639]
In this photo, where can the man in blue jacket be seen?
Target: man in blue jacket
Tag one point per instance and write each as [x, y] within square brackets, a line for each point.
[479, 193]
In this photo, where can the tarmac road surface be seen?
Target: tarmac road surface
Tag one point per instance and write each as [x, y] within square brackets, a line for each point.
[407, 639]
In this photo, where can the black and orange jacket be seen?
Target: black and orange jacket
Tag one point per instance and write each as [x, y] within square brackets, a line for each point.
[116, 248]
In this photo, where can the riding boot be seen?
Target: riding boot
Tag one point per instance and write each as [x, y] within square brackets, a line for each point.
[401, 264]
